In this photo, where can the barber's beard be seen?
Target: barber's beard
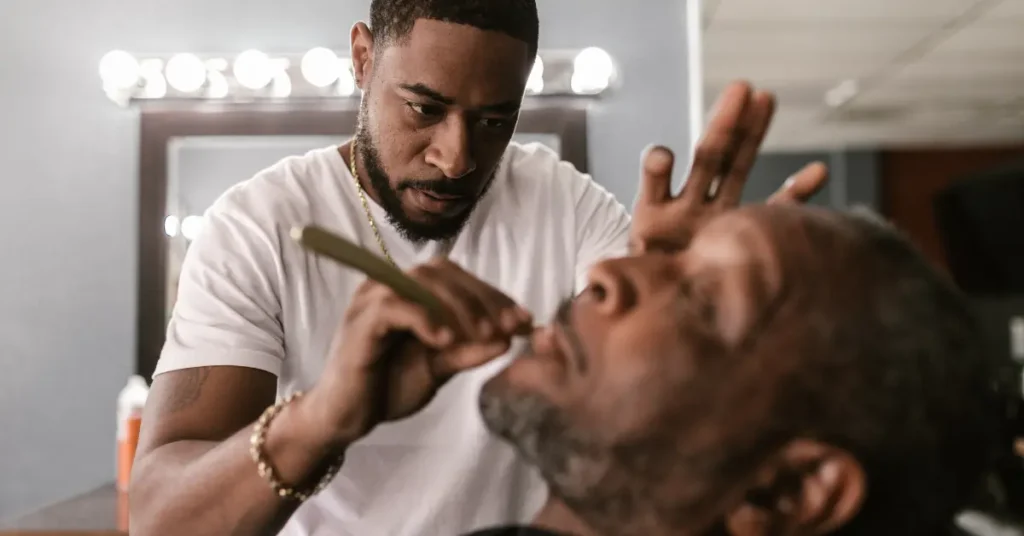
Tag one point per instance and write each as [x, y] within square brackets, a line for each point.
[440, 228]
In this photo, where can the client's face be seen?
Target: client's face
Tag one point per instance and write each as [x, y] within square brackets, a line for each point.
[634, 388]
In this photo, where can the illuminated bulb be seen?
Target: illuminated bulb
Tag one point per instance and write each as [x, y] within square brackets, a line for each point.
[191, 226]
[320, 67]
[592, 71]
[154, 86]
[119, 70]
[186, 72]
[282, 87]
[218, 87]
[253, 69]
[171, 226]
[346, 80]
[217, 64]
[535, 84]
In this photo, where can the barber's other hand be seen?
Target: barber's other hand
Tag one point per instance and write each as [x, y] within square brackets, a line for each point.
[390, 356]
[724, 157]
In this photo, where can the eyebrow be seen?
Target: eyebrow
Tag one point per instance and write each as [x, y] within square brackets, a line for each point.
[506, 108]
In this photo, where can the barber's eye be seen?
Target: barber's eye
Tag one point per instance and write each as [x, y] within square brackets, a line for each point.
[495, 123]
[426, 110]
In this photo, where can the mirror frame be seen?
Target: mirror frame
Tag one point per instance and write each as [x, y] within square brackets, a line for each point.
[566, 118]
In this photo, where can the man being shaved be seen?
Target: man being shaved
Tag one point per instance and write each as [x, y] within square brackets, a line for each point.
[793, 372]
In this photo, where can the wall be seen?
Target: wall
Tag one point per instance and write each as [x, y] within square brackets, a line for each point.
[853, 180]
[912, 177]
[67, 283]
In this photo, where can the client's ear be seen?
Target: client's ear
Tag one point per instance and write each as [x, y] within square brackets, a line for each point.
[807, 488]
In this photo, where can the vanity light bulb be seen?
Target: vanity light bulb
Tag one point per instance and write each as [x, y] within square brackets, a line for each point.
[592, 71]
[535, 84]
[282, 86]
[218, 87]
[191, 226]
[186, 73]
[320, 67]
[171, 226]
[119, 70]
[253, 69]
[346, 80]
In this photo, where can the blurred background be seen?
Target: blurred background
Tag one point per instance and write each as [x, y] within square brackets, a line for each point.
[916, 105]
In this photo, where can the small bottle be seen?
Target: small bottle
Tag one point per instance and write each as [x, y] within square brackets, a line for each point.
[129, 419]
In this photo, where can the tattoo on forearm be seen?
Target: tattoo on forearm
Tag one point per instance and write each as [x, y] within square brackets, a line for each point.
[188, 390]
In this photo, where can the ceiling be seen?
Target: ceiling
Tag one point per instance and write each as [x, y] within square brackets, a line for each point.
[916, 71]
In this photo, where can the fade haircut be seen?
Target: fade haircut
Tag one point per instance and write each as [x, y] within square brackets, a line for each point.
[392, 20]
[903, 382]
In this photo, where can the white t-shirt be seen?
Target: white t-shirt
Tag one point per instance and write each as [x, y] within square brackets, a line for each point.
[249, 296]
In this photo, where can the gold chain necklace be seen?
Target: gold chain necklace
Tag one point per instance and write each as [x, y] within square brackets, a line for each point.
[366, 205]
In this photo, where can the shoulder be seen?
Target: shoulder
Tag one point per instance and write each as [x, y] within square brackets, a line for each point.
[536, 167]
[281, 195]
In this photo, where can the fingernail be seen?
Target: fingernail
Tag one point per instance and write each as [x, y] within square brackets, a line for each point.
[789, 182]
[444, 335]
[658, 158]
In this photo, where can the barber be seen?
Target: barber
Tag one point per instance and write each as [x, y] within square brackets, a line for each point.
[385, 441]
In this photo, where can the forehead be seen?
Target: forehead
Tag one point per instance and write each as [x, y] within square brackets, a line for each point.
[737, 237]
[460, 61]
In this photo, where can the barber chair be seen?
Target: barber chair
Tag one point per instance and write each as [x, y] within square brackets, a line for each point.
[980, 220]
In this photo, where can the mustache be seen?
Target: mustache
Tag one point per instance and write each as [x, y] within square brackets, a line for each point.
[459, 188]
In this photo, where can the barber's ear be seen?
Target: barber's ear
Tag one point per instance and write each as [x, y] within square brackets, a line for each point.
[362, 53]
[809, 488]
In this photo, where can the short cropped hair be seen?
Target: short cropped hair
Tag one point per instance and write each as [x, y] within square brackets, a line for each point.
[905, 385]
[392, 20]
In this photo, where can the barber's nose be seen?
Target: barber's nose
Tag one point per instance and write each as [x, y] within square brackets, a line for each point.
[451, 151]
[618, 285]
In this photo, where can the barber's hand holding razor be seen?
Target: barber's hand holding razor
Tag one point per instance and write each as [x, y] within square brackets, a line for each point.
[722, 161]
[391, 356]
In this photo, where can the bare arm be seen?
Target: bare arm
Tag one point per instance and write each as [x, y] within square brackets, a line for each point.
[193, 473]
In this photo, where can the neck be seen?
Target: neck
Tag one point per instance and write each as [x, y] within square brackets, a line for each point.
[555, 516]
[361, 177]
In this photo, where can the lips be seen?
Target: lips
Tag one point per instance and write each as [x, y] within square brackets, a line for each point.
[565, 346]
[436, 203]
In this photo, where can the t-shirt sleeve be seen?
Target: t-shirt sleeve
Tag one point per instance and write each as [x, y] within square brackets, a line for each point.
[602, 226]
[228, 311]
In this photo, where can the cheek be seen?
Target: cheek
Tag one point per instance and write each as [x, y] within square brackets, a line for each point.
[399, 145]
[637, 377]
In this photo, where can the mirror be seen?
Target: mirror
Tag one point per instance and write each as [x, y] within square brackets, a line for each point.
[201, 168]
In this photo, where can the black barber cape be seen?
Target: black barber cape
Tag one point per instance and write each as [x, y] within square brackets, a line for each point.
[515, 530]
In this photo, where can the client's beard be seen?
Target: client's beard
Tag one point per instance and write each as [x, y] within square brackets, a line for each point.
[569, 461]
[441, 228]
[614, 489]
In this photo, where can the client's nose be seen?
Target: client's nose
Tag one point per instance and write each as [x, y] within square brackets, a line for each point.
[618, 285]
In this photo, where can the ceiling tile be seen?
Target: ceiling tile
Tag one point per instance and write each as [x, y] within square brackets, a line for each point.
[1007, 9]
[978, 70]
[831, 42]
[986, 37]
[949, 94]
[779, 76]
[840, 10]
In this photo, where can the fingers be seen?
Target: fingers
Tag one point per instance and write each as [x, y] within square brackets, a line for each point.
[656, 174]
[803, 185]
[755, 125]
[466, 356]
[715, 151]
[476, 310]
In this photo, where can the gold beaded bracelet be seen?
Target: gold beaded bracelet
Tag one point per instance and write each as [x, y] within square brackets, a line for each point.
[256, 443]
